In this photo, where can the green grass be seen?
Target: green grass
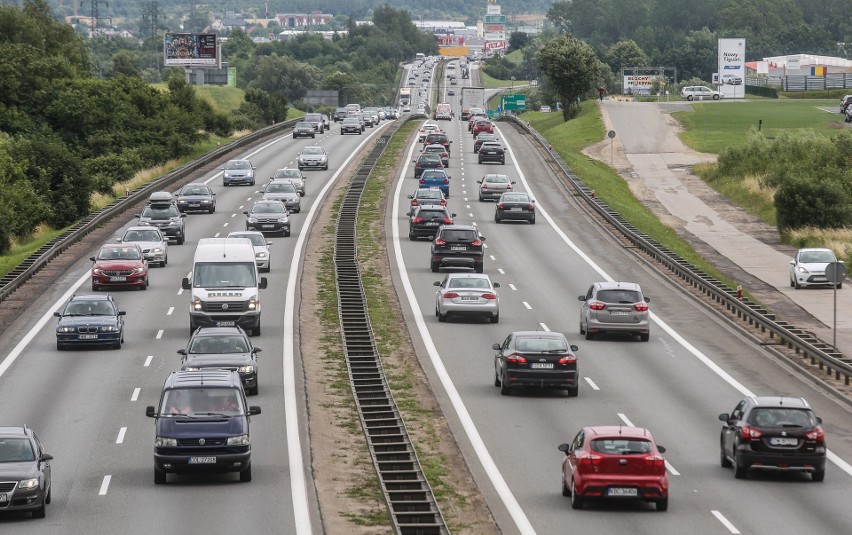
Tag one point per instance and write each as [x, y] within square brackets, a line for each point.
[713, 126]
[20, 252]
[223, 98]
[493, 83]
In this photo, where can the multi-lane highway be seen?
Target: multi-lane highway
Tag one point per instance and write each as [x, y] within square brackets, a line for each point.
[694, 367]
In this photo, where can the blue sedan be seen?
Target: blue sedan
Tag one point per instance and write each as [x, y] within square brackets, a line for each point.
[90, 320]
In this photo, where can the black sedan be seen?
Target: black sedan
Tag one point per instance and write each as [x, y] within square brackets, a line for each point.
[90, 320]
[196, 197]
[515, 207]
[428, 160]
[423, 221]
[227, 348]
[541, 359]
[24, 472]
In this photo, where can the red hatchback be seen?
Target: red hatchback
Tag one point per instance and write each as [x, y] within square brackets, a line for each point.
[119, 264]
[614, 462]
[482, 127]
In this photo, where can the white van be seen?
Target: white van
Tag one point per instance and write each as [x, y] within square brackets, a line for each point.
[443, 112]
[225, 286]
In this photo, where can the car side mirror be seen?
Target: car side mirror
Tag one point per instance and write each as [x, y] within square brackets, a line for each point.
[181, 352]
[436, 283]
[122, 312]
[183, 215]
[819, 420]
[647, 299]
[213, 194]
[92, 258]
[269, 243]
[481, 237]
[495, 347]
[150, 411]
[661, 449]
[565, 447]
[453, 215]
[514, 182]
[221, 168]
[581, 298]
[792, 262]
[409, 214]
[262, 284]
[256, 350]
[496, 284]
[245, 212]
[254, 409]
[185, 284]
[118, 240]
[724, 417]
[411, 196]
[574, 348]
[45, 457]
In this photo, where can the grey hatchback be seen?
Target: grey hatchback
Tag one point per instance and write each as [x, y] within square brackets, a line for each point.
[615, 307]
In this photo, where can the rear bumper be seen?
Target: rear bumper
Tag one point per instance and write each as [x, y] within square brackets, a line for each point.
[541, 378]
[780, 461]
[648, 488]
[596, 326]
[524, 215]
[247, 320]
[457, 261]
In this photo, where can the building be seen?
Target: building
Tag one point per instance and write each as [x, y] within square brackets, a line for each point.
[807, 64]
[304, 20]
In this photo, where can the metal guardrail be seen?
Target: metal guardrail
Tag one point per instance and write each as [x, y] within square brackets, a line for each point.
[13, 280]
[803, 342]
[411, 502]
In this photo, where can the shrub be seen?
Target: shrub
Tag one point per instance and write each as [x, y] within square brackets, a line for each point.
[805, 202]
[769, 92]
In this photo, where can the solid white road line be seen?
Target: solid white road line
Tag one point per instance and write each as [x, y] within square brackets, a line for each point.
[725, 522]
[148, 360]
[591, 383]
[120, 438]
[135, 395]
[104, 485]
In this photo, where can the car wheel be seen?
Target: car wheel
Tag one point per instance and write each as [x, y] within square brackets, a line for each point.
[739, 469]
[434, 267]
[40, 512]
[411, 236]
[496, 219]
[574, 391]
[839, 285]
[663, 504]
[256, 330]
[245, 475]
[145, 287]
[496, 379]
[181, 240]
[644, 337]
[818, 475]
[503, 161]
[47, 498]
[166, 261]
[565, 490]
[589, 334]
[582, 330]
[723, 459]
[505, 390]
[532, 221]
[480, 160]
[792, 283]
[254, 391]
[117, 345]
[576, 499]
[796, 284]
[442, 317]
[211, 210]
[287, 234]
[495, 319]
[59, 347]
[159, 477]
[689, 98]
[95, 287]
[715, 97]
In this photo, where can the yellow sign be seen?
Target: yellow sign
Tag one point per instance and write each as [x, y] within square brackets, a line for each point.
[454, 51]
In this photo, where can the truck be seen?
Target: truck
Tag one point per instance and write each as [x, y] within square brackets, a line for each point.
[471, 97]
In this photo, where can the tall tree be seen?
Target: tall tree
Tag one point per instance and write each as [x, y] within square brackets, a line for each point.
[572, 68]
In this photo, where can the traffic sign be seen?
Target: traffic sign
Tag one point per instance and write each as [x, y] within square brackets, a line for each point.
[493, 113]
[515, 102]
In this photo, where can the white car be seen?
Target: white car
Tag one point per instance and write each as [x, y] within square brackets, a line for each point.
[731, 79]
[807, 268]
[260, 245]
[544, 109]
[699, 92]
[467, 294]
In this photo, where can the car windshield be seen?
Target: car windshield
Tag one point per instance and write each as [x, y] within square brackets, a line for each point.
[195, 190]
[497, 179]
[16, 450]
[201, 401]
[268, 208]
[119, 253]
[312, 150]
[469, 283]
[781, 417]
[255, 239]
[281, 188]
[160, 212]
[815, 257]
[304, 125]
[459, 235]
[238, 164]
[619, 296]
[430, 157]
[224, 275]
[143, 235]
[218, 345]
[621, 446]
[89, 308]
[542, 345]
[428, 194]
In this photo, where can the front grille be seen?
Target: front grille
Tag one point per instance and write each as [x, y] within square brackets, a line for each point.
[88, 329]
[226, 306]
[267, 220]
[207, 442]
[8, 486]
[118, 272]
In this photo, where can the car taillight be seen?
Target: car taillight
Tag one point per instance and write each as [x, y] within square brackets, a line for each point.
[568, 359]
[450, 295]
[446, 181]
[418, 164]
[515, 358]
[589, 460]
[443, 202]
[422, 180]
[815, 434]
[655, 461]
[501, 206]
[531, 207]
[597, 305]
[489, 296]
[448, 221]
[413, 202]
[485, 186]
[417, 220]
[476, 243]
[508, 186]
[641, 307]
[750, 432]
[439, 241]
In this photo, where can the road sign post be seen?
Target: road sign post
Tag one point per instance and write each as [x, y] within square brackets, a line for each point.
[835, 272]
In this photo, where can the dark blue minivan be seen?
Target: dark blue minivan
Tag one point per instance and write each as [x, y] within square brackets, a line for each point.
[202, 425]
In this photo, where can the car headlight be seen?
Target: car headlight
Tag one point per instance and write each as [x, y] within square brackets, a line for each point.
[227, 174]
[28, 483]
[96, 271]
[191, 369]
[252, 304]
[324, 159]
[156, 251]
[65, 329]
[109, 329]
[252, 220]
[196, 304]
[801, 269]
[245, 369]
[242, 440]
[282, 219]
[161, 442]
[262, 255]
[138, 270]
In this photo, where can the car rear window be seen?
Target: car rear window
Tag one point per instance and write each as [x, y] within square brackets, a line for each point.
[621, 446]
[459, 235]
[497, 179]
[429, 214]
[540, 344]
[619, 296]
[781, 417]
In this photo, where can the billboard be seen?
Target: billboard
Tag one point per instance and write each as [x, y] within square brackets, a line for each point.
[454, 51]
[495, 45]
[639, 84]
[493, 9]
[732, 68]
[191, 49]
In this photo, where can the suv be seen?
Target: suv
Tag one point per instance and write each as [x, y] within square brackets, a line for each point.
[437, 138]
[424, 220]
[268, 216]
[315, 120]
[615, 307]
[776, 433]
[166, 217]
[457, 246]
[24, 471]
[492, 151]
[225, 348]
[699, 92]
[202, 425]
[238, 172]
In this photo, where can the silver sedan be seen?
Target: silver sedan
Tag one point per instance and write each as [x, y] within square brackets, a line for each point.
[493, 185]
[467, 294]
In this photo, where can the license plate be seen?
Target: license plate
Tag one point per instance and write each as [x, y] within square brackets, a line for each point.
[432, 224]
[225, 323]
[541, 365]
[88, 337]
[458, 248]
[3, 498]
[820, 279]
[618, 491]
[194, 205]
[469, 298]
[783, 441]
[619, 312]
[515, 209]
[118, 279]
[202, 460]
[268, 226]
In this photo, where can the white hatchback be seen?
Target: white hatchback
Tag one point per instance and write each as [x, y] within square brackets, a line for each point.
[807, 268]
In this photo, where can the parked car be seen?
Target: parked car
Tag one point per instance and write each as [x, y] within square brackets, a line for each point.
[154, 245]
[268, 216]
[90, 320]
[731, 79]
[223, 348]
[313, 157]
[457, 246]
[119, 264]
[544, 109]
[537, 359]
[615, 307]
[773, 433]
[432, 196]
[808, 267]
[304, 129]
[423, 221]
[283, 190]
[515, 206]
[238, 172]
[24, 471]
[699, 92]
[260, 245]
[467, 294]
[845, 102]
[295, 176]
[196, 196]
[492, 152]
[614, 463]
[492, 186]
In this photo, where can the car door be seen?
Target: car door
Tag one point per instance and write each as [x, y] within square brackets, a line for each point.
[584, 308]
[499, 357]
[440, 292]
[729, 429]
[569, 463]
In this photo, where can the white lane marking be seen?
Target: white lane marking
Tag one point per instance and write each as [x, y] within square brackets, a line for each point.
[544, 327]
[591, 383]
[104, 485]
[216, 235]
[465, 199]
[233, 215]
[511, 503]
[169, 312]
[491, 256]
[159, 334]
[469, 215]
[485, 246]
[467, 206]
[464, 192]
[180, 291]
[695, 352]
[500, 271]
[626, 420]
[249, 198]
[512, 286]
[725, 522]
[225, 225]
[241, 207]
[298, 487]
[120, 438]
[671, 469]
[135, 395]
[527, 305]
[148, 360]
[474, 223]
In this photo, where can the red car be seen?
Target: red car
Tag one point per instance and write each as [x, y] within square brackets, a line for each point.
[474, 119]
[119, 264]
[614, 462]
[482, 127]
